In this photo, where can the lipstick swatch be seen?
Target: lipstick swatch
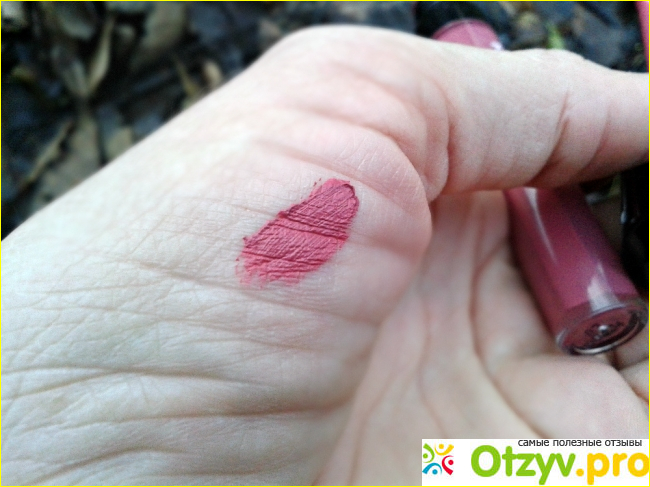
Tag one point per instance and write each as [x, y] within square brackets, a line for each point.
[301, 239]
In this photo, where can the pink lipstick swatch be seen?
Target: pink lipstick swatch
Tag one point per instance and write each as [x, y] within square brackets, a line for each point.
[301, 239]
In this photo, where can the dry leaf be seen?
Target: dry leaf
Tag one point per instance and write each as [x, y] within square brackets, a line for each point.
[82, 160]
[76, 19]
[269, 33]
[212, 74]
[14, 16]
[163, 29]
[118, 142]
[129, 7]
[191, 89]
[49, 153]
[125, 37]
[102, 56]
[70, 69]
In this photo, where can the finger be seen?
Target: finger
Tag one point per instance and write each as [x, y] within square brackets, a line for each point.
[633, 352]
[473, 119]
[631, 359]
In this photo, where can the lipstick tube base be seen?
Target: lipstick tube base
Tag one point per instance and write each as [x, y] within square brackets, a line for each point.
[589, 332]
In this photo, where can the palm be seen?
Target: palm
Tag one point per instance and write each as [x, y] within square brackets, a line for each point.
[465, 355]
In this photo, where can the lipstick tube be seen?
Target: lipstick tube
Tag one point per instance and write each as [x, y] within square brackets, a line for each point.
[589, 303]
[587, 300]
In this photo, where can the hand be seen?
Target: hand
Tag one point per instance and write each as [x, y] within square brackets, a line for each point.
[132, 351]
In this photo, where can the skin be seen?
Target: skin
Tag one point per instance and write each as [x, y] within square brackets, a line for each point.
[132, 353]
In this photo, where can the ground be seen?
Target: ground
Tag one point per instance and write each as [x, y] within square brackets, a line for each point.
[83, 81]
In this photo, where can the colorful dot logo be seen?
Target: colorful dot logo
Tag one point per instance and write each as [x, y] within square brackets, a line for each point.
[445, 463]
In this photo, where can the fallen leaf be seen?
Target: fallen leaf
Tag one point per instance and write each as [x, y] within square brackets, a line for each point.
[102, 56]
[129, 7]
[212, 74]
[269, 33]
[118, 142]
[24, 74]
[164, 27]
[70, 68]
[125, 37]
[48, 154]
[191, 89]
[554, 39]
[76, 19]
[14, 17]
[82, 160]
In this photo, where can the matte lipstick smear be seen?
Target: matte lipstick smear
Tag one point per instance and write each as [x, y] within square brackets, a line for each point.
[301, 239]
[589, 303]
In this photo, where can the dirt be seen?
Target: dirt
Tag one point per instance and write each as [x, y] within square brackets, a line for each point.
[83, 81]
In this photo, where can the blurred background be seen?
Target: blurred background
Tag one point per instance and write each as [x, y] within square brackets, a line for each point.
[84, 81]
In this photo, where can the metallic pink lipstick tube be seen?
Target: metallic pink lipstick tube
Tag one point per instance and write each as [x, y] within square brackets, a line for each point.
[587, 300]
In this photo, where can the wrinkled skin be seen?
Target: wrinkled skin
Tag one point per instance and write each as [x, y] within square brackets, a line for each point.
[132, 353]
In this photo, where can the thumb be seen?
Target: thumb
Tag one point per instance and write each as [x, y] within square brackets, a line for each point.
[470, 118]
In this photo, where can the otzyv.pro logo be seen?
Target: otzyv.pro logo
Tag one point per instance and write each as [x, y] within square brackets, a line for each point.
[437, 459]
[535, 462]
